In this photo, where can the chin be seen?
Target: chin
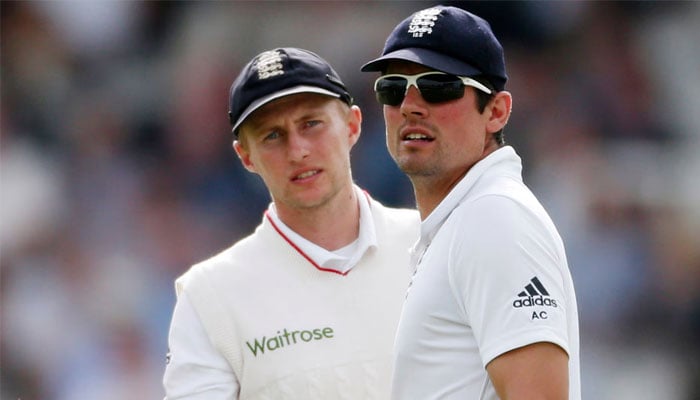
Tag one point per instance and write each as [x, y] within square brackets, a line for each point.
[412, 166]
[310, 200]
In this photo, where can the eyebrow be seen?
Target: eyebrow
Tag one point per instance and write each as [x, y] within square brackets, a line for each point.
[262, 125]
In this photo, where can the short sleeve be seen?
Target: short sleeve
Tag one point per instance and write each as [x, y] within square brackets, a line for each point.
[504, 268]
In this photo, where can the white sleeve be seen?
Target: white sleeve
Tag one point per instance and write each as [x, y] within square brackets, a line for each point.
[195, 369]
[509, 258]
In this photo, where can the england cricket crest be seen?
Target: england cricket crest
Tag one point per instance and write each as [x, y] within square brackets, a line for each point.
[423, 22]
[269, 64]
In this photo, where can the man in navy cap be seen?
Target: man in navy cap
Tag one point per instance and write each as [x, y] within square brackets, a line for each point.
[306, 307]
[491, 311]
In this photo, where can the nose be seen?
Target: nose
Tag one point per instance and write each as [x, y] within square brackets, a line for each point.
[297, 147]
[413, 103]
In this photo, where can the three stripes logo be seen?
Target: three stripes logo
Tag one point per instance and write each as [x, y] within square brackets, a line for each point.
[534, 295]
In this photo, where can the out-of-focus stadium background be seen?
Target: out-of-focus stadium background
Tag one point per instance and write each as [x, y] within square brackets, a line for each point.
[118, 173]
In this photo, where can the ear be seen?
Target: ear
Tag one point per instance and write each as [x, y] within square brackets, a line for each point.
[500, 108]
[354, 124]
[244, 156]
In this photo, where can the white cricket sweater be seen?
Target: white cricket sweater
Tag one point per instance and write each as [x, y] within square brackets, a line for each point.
[290, 329]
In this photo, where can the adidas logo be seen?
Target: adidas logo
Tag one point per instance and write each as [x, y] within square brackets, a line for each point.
[534, 295]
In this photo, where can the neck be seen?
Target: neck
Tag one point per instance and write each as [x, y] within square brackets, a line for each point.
[429, 191]
[332, 225]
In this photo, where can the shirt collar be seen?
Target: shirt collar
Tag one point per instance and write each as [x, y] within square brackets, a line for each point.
[328, 260]
[505, 159]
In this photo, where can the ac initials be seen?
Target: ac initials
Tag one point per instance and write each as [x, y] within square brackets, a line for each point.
[540, 315]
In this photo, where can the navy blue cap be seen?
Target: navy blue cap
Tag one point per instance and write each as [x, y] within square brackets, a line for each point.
[446, 39]
[281, 72]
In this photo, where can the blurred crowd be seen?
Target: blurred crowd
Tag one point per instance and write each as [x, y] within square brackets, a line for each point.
[117, 172]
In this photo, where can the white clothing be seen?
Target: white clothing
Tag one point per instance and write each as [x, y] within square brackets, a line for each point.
[278, 317]
[491, 275]
[337, 260]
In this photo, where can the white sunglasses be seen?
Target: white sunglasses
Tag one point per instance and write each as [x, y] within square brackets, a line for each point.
[434, 86]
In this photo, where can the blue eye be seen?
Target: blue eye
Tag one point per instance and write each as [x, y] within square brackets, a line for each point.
[312, 123]
[271, 136]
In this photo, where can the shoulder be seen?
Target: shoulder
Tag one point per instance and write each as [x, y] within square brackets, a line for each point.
[400, 224]
[229, 263]
[199, 273]
[404, 216]
[503, 233]
[487, 213]
[494, 225]
[505, 203]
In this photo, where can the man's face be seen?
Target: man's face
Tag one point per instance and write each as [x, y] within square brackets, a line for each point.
[300, 146]
[435, 140]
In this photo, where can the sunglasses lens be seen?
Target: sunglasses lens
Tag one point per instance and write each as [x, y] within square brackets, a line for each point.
[391, 90]
[435, 88]
[439, 88]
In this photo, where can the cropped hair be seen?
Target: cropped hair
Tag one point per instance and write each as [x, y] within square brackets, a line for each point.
[483, 99]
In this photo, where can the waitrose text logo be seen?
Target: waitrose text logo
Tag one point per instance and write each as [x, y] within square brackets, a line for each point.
[287, 338]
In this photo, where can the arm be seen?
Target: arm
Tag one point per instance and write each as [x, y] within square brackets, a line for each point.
[195, 370]
[538, 371]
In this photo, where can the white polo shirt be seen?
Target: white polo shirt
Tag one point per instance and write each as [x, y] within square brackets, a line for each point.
[491, 276]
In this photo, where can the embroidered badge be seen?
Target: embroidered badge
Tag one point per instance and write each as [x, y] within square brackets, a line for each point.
[423, 22]
[269, 64]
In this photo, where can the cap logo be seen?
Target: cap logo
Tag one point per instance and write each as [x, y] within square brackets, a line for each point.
[423, 22]
[269, 64]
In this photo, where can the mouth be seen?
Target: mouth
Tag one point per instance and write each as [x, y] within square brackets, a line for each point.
[413, 136]
[306, 175]
[415, 133]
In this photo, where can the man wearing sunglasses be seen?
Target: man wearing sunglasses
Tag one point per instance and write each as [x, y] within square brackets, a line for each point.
[491, 310]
